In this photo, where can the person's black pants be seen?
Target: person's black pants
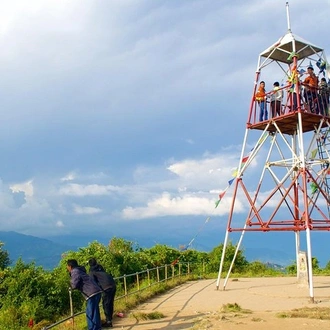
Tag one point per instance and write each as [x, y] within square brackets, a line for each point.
[108, 298]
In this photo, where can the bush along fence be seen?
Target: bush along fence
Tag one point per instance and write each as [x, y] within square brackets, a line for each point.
[131, 284]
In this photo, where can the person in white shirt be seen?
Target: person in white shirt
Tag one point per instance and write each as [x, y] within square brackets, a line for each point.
[276, 100]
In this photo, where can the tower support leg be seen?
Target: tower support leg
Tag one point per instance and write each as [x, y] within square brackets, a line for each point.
[297, 236]
[222, 258]
[235, 255]
[310, 266]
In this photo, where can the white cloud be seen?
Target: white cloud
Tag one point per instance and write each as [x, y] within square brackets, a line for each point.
[120, 88]
[190, 141]
[75, 189]
[86, 209]
[69, 177]
[167, 205]
[25, 187]
[187, 204]
[60, 224]
[209, 173]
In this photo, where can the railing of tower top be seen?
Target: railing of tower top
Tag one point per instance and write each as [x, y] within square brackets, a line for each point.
[133, 283]
[311, 101]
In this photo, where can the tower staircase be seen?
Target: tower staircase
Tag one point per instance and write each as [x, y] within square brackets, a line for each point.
[323, 148]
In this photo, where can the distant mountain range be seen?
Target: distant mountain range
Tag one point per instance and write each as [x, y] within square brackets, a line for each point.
[272, 256]
[42, 251]
[48, 253]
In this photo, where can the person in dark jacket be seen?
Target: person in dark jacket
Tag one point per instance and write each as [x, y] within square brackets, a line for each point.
[89, 289]
[108, 285]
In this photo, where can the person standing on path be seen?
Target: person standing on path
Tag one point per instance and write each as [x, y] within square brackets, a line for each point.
[108, 285]
[89, 289]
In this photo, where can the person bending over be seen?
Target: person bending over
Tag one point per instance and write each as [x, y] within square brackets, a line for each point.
[108, 285]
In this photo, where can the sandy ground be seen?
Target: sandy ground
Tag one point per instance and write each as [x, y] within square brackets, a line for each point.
[197, 305]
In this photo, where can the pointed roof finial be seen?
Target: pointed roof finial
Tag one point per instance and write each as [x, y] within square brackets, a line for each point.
[288, 16]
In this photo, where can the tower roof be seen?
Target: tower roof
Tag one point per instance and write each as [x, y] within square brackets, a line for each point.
[287, 45]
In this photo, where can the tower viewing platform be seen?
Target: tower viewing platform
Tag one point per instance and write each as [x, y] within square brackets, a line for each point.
[301, 71]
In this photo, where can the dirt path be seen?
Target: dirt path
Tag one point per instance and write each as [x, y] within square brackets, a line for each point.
[197, 304]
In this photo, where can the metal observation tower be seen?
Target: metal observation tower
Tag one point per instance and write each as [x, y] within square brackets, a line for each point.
[283, 173]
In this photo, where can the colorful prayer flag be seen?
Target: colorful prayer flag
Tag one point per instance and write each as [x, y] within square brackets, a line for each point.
[313, 153]
[231, 181]
[222, 194]
[244, 160]
[234, 174]
[314, 187]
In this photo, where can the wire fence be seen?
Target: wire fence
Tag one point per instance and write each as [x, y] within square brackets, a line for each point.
[134, 283]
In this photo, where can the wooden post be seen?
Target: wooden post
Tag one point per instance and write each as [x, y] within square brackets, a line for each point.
[71, 307]
[165, 273]
[137, 281]
[125, 287]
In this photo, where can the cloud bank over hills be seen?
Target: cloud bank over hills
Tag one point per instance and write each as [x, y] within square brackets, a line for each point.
[126, 118]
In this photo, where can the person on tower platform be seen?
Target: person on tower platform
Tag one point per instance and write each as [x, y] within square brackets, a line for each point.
[276, 100]
[310, 94]
[324, 91]
[260, 97]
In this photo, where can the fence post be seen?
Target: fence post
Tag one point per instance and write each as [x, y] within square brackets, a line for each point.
[172, 271]
[71, 307]
[137, 281]
[180, 269]
[165, 273]
[188, 268]
[157, 269]
[148, 272]
[125, 287]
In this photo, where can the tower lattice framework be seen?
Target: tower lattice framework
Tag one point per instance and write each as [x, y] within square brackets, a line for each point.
[284, 175]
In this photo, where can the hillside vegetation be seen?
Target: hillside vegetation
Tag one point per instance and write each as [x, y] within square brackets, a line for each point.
[28, 292]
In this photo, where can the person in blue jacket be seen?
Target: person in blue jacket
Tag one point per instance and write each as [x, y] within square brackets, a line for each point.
[81, 281]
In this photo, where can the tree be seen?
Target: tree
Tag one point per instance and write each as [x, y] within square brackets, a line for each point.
[315, 263]
[161, 254]
[292, 269]
[124, 256]
[4, 257]
[327, 266]
[27, 291]
[257, 268]
[215, 257]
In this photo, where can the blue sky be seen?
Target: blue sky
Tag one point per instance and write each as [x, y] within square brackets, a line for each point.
[126, 117]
